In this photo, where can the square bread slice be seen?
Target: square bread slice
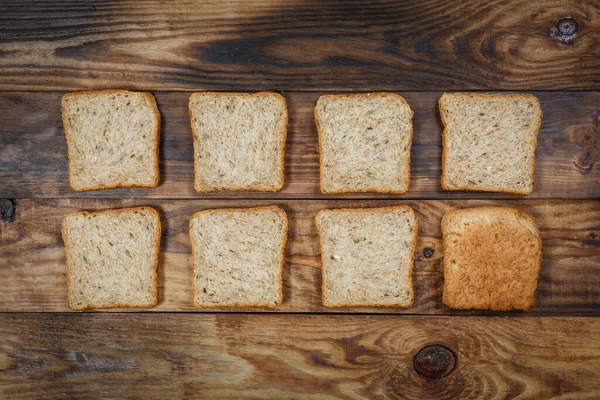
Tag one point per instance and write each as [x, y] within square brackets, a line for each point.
[364, 142]
[239, 141]
[112, 139]
[367, 256]
[492, 259]
[112, 258]
[489, 141]
[238, 256]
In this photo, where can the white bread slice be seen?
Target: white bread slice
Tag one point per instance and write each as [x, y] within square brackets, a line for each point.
[238, 256]
[492, 258]
[239, 141]
[367, 256]
[489, 141]
[112, 258]
[112, 139]
[364, 142]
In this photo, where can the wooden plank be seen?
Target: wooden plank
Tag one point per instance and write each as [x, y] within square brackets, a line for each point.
[227, 356]
[32, 264]
[267, 44]
[33, 157]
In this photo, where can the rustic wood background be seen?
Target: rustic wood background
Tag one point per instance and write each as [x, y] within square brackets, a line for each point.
[303, 49]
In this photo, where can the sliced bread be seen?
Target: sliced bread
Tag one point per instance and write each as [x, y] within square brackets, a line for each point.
[239, 141]
[489, 141]
[238, 256]
[112, 139]
[367, 256]
[112, 258]
[364, 142]
[492, 258]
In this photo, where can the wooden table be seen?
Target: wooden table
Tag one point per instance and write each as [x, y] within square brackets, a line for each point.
[304, 49]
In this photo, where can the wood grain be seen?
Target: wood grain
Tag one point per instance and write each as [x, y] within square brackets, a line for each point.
[231, 356]
[266, 44]
[33, 152]
[32, 264]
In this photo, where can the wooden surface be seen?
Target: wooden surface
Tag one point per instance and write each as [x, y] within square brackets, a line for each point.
[33, 265]
[269, 44]
[232, 356]
[34, 159]
[418, 49]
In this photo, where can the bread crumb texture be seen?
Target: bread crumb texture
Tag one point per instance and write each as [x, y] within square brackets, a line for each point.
[490, 141]
[367, 256]
[112, 258]
[492, 259]
[238, 256]
[239, 141]
[112, 139]
[365, 143]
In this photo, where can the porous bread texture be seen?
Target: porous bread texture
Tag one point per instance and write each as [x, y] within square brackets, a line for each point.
[112, 139]
[238, 256]
[364, 142]
[112, 258]
[239, 141]
[489, 141]
[492, 258]
[367, 256]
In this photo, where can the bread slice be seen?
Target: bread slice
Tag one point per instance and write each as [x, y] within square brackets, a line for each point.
[238, 256]
[364, 142]
[489, 141]
[367, 256]
[492, 259]
[239, 141]
[112, 139]
[112, 258]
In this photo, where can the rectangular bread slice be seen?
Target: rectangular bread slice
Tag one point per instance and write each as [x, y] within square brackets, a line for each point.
[112, 258]
[492, 258]
[239, 141]
[489, 141]
[367, 256]
[112, 139]
[364, 142]
[238, 256]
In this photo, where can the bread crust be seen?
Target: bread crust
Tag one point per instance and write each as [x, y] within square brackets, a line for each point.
[278, 210]
[321, 134]
[158, 232]
[151, 101]
[362, 210]
[283, 142]
[524, 218]
[445, 185]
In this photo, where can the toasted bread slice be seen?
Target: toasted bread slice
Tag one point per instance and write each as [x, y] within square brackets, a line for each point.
[367, 256]
[112, 258]
[489, 141]
[492, 259]
[112, 139]
[239, 141]
[238, 256]
[364, 142]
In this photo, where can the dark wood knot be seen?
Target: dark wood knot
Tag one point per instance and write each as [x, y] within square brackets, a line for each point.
[428, 252]
[434, 361]
[567, 26]
[565, 30]
[588, 141]
[8, 209]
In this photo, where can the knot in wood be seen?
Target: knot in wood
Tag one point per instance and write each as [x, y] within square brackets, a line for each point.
[8, 209]
[428, 252]
[434, 361]
[565, 30]
[567, 26]
[588, 141]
